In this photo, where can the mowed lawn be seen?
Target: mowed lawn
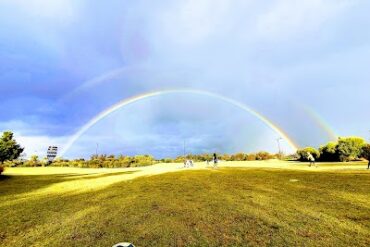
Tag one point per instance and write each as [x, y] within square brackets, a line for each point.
[208, 207]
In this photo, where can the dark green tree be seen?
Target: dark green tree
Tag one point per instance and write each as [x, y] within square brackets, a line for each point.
[9, 148]
[365, 152]
[329, 152]
[304, 153]
[350, 148]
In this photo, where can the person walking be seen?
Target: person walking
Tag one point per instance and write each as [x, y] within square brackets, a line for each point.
[368, 164]
[191, 164]
[215, 160]
[311, 159]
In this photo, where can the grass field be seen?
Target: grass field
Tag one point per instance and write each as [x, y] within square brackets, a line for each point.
[270, 203]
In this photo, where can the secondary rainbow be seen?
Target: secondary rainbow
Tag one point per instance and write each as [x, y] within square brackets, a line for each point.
[332, 136]
[136, 98]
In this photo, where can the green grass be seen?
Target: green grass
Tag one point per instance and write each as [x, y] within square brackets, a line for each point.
[224, 207]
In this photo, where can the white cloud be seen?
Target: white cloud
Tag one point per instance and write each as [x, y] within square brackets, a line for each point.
[38, 145]
[31, 138]
[290, 18]
[62, 10]
[190, 22]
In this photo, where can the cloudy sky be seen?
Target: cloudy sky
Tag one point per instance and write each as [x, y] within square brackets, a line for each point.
[303, 65]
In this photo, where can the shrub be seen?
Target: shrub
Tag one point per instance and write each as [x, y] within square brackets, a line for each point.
[239, 157]
[304, 153]
[166, 160]
[34, 161]
[142, 160]
[251, 157]
[179, 159]
[329, 152]
[264, 156]
[365, 152]
[13, 163]
[225, 157]
[291, 157]
[350, 148]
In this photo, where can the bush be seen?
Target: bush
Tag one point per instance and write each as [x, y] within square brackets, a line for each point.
[350, 148]
[166, 160]
[264, 156]
[238, 157]
[365, 152]
[251, 157]
[291, 157]
[142, 160]
[225, 157]
[329, 152]
[34, 161]
[304, 153]
[13, 163]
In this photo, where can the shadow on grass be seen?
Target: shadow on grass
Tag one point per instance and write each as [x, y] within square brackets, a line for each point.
[197, 208]
[13, 184]
[4, 177]
[73, 176]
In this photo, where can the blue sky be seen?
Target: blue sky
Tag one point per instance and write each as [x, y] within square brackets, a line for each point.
[302, 64]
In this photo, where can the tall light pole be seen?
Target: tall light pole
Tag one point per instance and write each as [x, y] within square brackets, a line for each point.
[184, 149]
[278, 143]
[96, 149]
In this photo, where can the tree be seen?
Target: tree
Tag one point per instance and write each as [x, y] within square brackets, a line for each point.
[239, 156]
[365, 152]
[350, 148]
[263, 156]
[251, 157]
[34, 161]
[225, 157]
[9, 148]
[142, 160]
[329, 152]
[304, 153]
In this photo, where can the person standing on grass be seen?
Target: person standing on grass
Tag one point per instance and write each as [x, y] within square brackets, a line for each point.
[311, 159]
[215, 160]
[368, 164]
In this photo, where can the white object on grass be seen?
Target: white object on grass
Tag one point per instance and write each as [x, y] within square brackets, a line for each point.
[123, 245]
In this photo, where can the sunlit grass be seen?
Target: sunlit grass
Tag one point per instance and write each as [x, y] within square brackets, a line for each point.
[294, 205]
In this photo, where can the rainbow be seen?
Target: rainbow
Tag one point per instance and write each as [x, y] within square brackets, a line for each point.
[332, 136]
[93, 82]
[136, 98]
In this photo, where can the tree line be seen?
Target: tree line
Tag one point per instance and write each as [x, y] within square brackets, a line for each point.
[121, 161]
[226, 157]
[345, 149]
[10, 151]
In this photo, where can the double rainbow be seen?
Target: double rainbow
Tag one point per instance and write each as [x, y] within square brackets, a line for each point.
[134, 99]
